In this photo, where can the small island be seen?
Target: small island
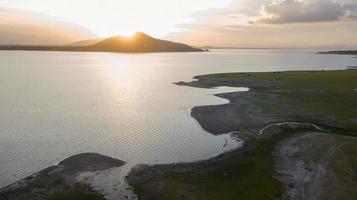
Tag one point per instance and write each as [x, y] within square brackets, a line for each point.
[138, 43]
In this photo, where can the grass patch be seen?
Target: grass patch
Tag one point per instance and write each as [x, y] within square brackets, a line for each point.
[246, 173]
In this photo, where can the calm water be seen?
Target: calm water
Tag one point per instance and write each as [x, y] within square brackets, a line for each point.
[54, 105]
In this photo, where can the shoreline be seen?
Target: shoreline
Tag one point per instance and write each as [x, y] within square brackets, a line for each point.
[89, 187]
[268, 88]
[245, 116]
[229, 175]
[98, 183]
[61, 181]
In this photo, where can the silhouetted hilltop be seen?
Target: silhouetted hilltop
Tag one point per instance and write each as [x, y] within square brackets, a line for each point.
[139, 43]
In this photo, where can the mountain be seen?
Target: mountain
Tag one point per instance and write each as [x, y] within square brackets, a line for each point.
[139, 43]
[88, 42]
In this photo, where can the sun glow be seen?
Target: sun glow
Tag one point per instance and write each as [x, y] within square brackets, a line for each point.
[128, 34]
[122, 17]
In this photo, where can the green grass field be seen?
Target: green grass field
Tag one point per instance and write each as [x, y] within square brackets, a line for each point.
[326, 98]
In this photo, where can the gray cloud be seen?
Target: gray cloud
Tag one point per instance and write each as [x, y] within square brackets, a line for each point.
[229, 27]
[303, 11]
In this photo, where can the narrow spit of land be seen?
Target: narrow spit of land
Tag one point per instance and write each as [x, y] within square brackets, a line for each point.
[62, 181]
[266, 166]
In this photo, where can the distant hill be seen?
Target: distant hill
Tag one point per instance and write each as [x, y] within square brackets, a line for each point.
[347, 52]
[139, 43]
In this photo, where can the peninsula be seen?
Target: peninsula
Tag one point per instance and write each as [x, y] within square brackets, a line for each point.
[299, 130]
[138, 43]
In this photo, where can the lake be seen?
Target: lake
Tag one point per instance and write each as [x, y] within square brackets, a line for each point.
[57, 104]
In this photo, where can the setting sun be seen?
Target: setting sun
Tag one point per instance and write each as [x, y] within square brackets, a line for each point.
[127, 34]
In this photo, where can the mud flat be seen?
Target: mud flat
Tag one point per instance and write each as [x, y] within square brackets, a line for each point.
[324, 98]
[315, 165]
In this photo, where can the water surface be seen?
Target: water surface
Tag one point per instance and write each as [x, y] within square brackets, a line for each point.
[57, 104]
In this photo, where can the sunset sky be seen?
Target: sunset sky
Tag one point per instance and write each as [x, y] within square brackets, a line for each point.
[239, 23]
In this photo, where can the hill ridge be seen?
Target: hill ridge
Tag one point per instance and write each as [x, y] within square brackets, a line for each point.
[138, 43]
